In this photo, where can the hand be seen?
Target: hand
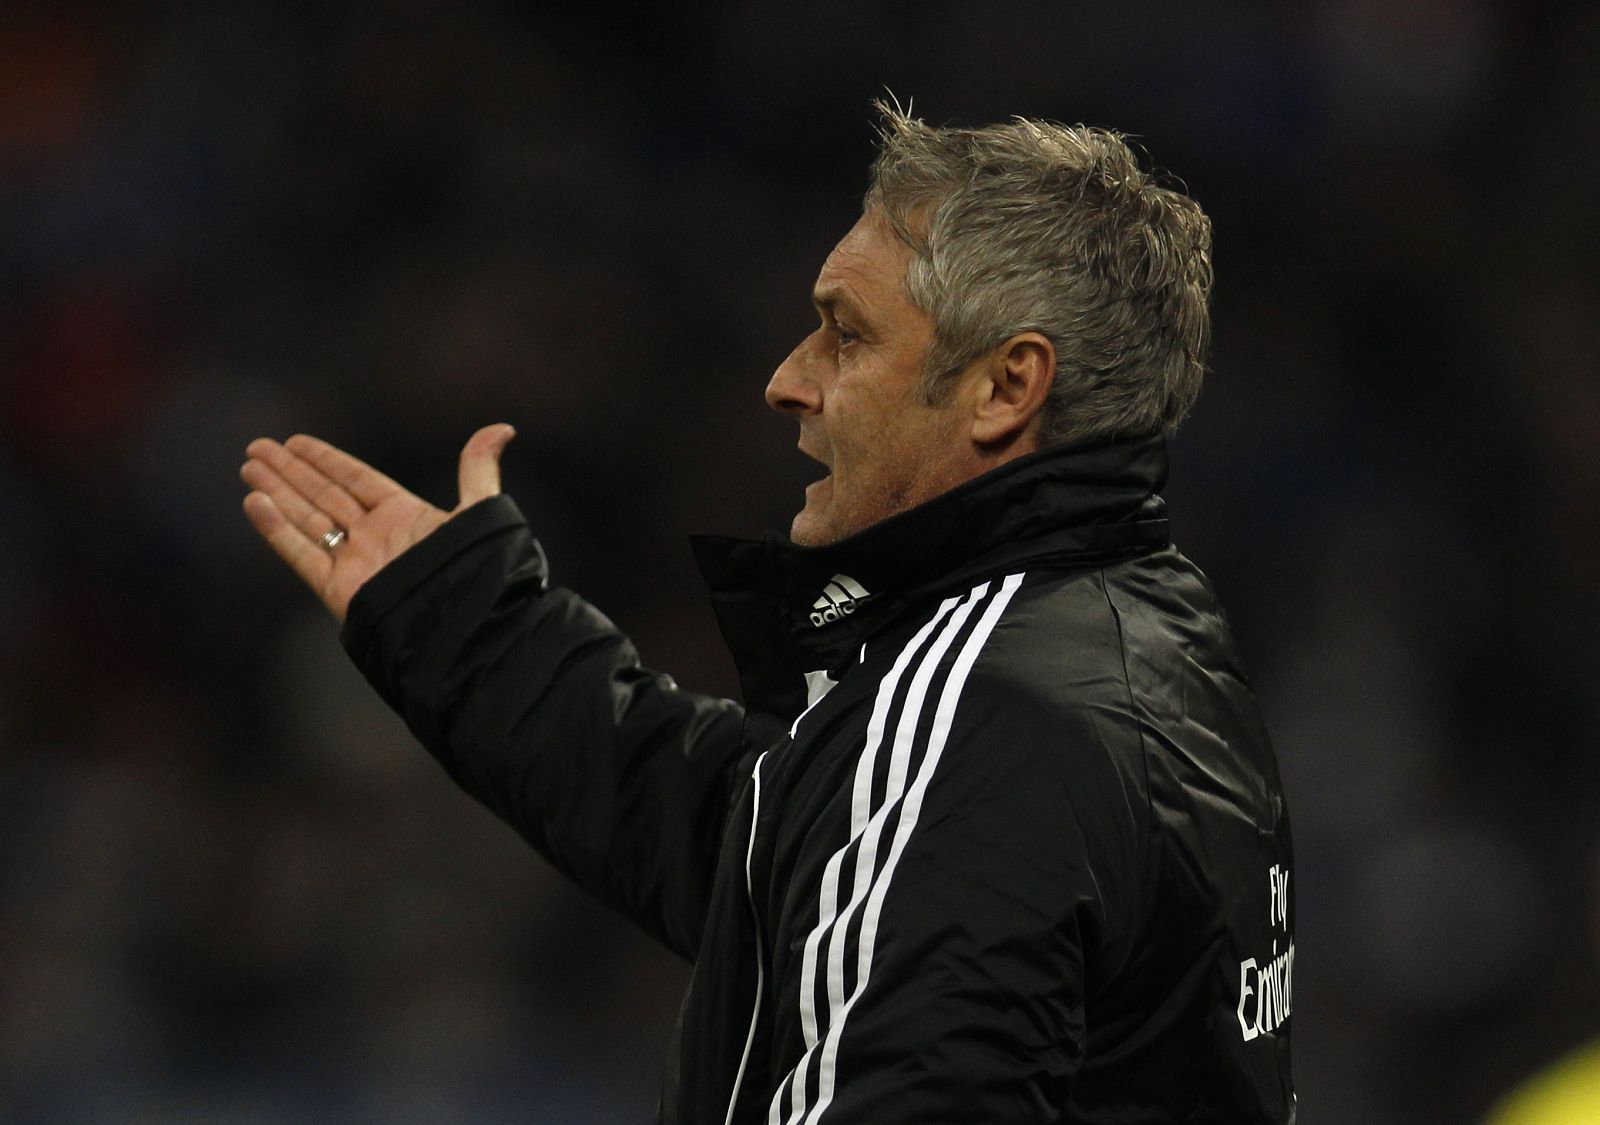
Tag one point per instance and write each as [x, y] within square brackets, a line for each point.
[305, 488]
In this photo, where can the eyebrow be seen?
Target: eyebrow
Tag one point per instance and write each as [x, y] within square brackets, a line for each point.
[833, 298]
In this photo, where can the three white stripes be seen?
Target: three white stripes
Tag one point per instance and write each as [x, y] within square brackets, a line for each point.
[867, 824]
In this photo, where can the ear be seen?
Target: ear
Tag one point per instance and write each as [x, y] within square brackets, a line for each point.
[1012, 384]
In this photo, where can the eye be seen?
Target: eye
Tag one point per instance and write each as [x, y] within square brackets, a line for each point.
[843, 335]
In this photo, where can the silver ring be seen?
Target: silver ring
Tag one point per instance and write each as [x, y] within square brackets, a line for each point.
[331, 539]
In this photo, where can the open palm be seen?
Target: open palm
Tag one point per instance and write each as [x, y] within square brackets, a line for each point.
[304, 488]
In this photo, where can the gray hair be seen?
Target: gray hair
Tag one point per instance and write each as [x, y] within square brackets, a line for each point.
[1034, 226]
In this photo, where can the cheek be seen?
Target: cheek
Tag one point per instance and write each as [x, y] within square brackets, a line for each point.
[861, 419]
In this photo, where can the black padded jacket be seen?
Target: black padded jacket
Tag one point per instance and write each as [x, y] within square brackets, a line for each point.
[996, 834]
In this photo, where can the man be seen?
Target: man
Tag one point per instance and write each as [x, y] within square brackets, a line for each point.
[996, 835]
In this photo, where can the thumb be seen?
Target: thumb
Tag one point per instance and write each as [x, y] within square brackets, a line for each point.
[479, 474]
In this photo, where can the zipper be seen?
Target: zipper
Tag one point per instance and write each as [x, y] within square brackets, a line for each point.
[755, 918]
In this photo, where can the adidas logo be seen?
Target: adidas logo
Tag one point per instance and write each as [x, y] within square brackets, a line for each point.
[839, 599]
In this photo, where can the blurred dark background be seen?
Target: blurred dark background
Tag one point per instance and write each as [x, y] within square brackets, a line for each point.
[232, 888]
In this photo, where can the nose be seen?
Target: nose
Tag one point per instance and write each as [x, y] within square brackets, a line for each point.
[792, 390]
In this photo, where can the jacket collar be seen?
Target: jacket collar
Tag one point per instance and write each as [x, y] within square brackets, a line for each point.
[786, 609]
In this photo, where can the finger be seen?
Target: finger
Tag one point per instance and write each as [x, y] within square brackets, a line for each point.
[310, 482]
[364, 482]
[305, 558]
[479, 475]
[311, 521]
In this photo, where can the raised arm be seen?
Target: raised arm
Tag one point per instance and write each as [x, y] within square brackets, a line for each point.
[305, 493]
[529, 697]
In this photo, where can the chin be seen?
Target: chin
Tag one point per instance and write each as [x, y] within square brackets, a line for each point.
[814, 528]
[806, 532]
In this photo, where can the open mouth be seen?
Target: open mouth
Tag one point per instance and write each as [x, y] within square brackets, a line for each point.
[818, 458]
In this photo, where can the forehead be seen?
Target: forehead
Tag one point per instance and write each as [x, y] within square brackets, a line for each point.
[866, 269]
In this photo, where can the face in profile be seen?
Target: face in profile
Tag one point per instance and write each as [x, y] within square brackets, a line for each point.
[855, 386]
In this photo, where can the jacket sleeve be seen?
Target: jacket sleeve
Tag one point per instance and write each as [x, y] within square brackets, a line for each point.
[954, 989]
[537, 706]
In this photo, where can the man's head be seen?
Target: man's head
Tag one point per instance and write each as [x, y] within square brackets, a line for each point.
[1007, 288]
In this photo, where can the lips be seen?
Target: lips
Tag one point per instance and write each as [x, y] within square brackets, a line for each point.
[813, 441]
[822, 483]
